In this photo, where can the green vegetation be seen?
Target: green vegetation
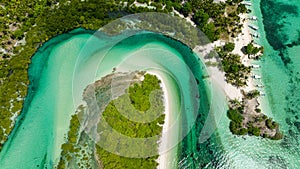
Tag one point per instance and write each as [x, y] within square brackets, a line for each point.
[236, 117]
[277, 136]
[258, 110]
[228, 47]
[76, 144]
[254, 131]
[36, 21]
[251, 94]
[69, 147]
[250, 49]
[40, 21]
[139, 94]
[236, 72]
[253, 124]
[130, 128]
[216, 20]
[271, 124]
[78, 147]
[111, 161]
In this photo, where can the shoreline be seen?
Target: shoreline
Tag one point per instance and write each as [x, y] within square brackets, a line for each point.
[264, 101]
[166, 155]
[243, 39]
[254, 83]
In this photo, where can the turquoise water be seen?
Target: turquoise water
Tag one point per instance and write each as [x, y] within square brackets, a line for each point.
[279, 30]
[145, 51]
[41, 129]
[47, 108]
[282, 29]
[62, 68]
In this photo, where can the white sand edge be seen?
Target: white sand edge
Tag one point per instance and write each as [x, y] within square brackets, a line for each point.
[218, 77]
[165, 157]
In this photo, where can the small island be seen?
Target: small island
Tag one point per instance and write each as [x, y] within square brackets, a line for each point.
[247, 118]
[139, 94]
[144, 88]
[27, 25]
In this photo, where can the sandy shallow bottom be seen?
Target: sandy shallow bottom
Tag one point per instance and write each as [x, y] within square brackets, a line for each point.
[66, 65]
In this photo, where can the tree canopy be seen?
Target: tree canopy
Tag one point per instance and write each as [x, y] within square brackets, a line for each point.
[140, 96]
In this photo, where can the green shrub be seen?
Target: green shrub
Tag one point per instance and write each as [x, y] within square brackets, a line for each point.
[254, 131]
[277, 136]
[235, 115]
[258, 110]
[271, 124]
[252, 94]
[229, 47]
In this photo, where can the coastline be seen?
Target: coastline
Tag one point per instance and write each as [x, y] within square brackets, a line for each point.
[166, 155]
[243, 39]
[254, 82]
[253, 152]
[264, 101]
[239, 151]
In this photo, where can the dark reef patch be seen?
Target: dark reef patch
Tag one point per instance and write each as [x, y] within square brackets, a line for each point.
[284, 57]
[274, 19]
[280, 19]
[278, 161]
[274, 14]
[297, 125]
[294, 43]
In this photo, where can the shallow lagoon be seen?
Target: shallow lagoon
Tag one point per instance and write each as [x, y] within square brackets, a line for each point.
[43, 125]
[53, 97]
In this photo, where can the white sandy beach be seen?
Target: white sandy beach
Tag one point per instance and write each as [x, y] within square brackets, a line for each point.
[243, 40]
[166, 156]
[217, 76]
